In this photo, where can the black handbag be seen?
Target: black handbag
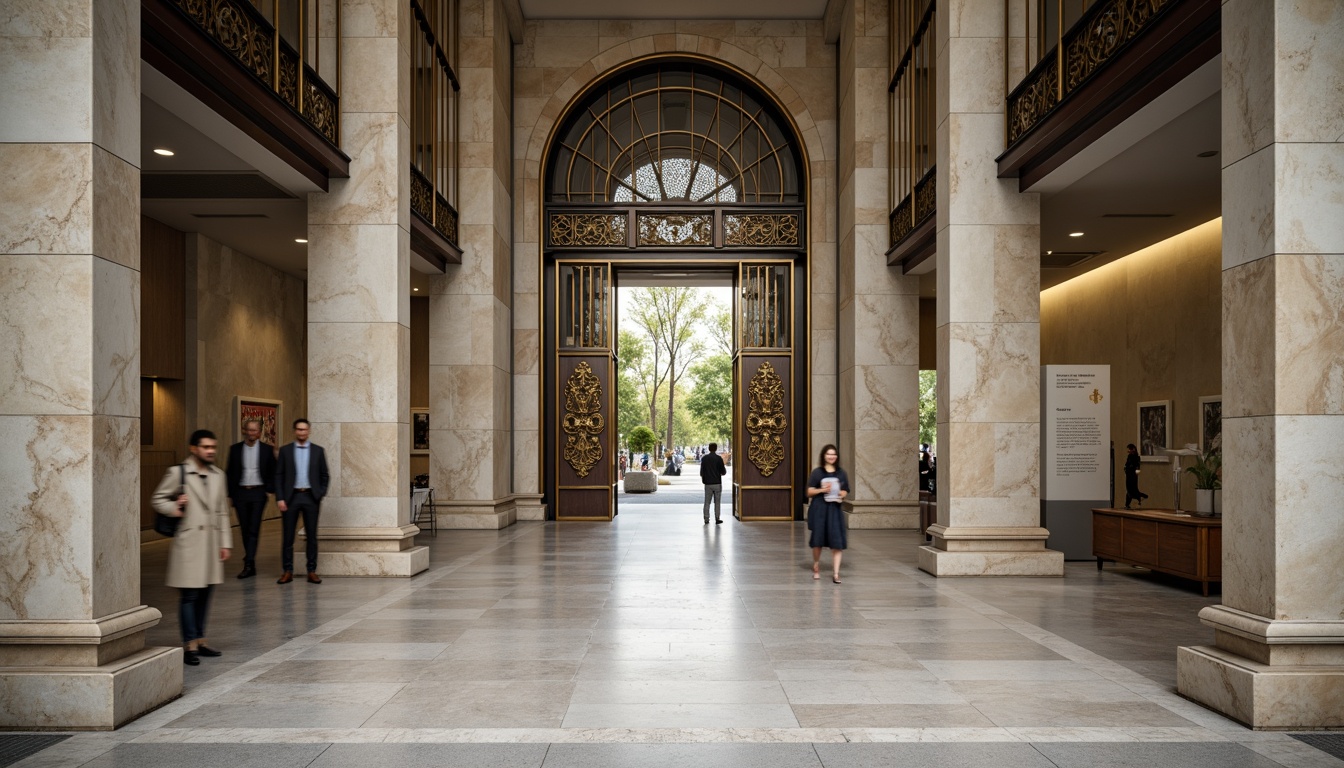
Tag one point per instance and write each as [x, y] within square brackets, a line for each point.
[166, 525]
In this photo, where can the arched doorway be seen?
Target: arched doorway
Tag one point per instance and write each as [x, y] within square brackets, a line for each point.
[674, 164]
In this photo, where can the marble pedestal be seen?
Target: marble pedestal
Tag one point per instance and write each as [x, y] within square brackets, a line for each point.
[878, 514]
[89, 698]
[477, 515]
[989, 552]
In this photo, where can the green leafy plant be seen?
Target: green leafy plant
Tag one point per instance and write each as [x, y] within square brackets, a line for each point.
[641, 439]
[1206, 471]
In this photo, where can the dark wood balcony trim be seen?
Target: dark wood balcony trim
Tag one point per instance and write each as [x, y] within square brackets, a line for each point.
[173, 45]
[1180, 42]
[429, 243]
[919, 244]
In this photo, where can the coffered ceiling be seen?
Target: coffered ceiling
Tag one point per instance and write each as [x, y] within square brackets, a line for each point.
[682, 9]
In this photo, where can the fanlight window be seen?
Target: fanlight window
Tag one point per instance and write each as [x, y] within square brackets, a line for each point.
[674, 132]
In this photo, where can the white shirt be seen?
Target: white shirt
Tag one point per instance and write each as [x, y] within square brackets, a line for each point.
[251, 464]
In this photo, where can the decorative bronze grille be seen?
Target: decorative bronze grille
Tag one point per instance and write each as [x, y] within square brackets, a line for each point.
[674, 131]
[434, 113]
[913, 112]
[291, 62]
[767, 419]
[672, 229]
[585, 306]
[1086, 35]
[765, 305]
[762, 230]
[583, 422]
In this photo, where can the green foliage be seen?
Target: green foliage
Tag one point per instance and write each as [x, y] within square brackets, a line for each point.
[641, 439]
[632, 407]
[1206, 470]
[928, 407]
[711, 402]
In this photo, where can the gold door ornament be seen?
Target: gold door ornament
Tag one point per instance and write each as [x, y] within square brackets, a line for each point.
[766, 421]
[583, 419]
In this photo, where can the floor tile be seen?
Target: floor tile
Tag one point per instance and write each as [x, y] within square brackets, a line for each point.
[682, 756]
[1218, 755]
[232, 755]
[432, 756]
[931, 756]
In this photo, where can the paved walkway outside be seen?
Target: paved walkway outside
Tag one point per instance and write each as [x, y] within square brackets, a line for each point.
[658, 641]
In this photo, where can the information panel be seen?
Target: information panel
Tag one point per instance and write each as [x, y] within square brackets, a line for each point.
[1075, 432]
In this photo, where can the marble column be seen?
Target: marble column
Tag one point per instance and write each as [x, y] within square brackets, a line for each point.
[879, 307]
[359, 309]
[470, 314]
[72, 626]
[989, 346]
[1278, 655]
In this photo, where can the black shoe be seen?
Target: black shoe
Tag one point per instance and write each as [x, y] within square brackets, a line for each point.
[718, 522]
[191, 659]
[207, 651]
[247, 572]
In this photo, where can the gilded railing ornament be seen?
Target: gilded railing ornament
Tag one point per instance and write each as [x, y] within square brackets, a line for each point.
[583, 420]
[673, 229]
[761, 229]
[766, 420]
[587, 229]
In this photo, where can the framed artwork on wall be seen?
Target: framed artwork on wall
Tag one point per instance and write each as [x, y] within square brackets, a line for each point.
[419, 431]
[1154, 429]
[1211, 423]
[268, 411]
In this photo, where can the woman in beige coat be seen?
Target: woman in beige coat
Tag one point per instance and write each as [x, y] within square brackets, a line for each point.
[197, 492]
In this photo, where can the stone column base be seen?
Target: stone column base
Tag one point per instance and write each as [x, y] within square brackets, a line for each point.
[487, 515]
[368, 552]
[882, 514]
[1261, 696]
[89, 698]
[989, 552]
[528, 506]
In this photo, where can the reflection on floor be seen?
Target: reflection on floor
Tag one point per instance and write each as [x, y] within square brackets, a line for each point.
[657, 641]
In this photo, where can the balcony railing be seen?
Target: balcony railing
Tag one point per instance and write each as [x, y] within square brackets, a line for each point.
[1087, 35]
[914, 127]
[916, 208]
[288, 45]
[434, 130]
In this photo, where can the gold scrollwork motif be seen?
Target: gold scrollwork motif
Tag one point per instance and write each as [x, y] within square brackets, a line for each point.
[590, 229]
[676, 229]
[445, 219]
[761, 229]
[1093, 44]
[926, 198]
[583, 420]
[422, 196]
[233, 26]
[901, 225]
[1033, 100]
[766, 421]
[319, 109]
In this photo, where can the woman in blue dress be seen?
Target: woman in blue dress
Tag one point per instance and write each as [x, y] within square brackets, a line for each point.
[827, 487]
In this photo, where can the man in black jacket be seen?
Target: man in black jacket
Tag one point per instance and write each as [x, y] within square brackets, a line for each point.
[250, 473]
[301, 480]
[711, 474]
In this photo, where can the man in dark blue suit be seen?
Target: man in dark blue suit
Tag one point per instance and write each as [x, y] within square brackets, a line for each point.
[251, 475]
[301, 480]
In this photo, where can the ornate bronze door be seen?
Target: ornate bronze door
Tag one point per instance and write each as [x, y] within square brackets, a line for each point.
[586, 389]
[763, 419]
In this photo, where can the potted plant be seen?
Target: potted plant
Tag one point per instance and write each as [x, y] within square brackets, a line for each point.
[1207, 481]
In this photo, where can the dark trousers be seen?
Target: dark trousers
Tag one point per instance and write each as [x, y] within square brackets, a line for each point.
[193, 604]
[249, 507]
[1132, 492]
[303, 503]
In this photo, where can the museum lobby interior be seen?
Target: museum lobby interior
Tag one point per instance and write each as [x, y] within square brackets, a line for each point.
[1100, 222]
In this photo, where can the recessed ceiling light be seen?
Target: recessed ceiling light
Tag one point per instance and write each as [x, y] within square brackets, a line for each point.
[164, 152]
[415, 289]
[1207, 153]
[1075, 234]
[300, 239]
[1048, 253]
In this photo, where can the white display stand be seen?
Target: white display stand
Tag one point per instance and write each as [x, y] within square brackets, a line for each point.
[1075, 454]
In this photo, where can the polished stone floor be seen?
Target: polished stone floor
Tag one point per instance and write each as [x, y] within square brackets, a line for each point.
[659, 641]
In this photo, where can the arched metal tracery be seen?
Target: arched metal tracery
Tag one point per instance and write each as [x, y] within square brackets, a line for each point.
[674, 154]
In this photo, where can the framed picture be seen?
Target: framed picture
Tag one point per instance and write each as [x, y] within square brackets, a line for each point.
[268, 411]
[1211, 423]
[419, 431]
[1154, 430]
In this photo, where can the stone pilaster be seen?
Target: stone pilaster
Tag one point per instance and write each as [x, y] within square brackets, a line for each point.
[470, 314]
[1278, 654]
[72, 627]
[359, 309]
[988, 320]
[879, 307]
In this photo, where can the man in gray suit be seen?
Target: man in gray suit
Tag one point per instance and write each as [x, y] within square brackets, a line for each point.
[301, 480]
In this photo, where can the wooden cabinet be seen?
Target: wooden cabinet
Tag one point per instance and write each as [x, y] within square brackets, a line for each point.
[1162, 540]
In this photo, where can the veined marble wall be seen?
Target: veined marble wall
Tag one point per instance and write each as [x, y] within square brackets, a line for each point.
[1155, 317]
[247, 336]
[556, 59]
